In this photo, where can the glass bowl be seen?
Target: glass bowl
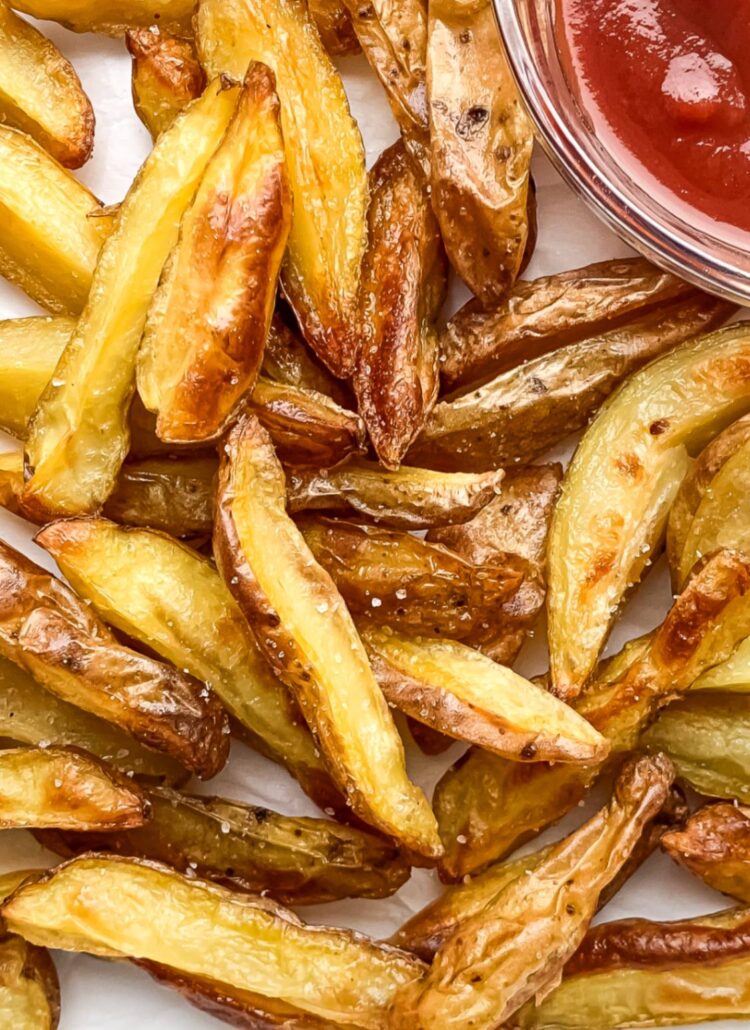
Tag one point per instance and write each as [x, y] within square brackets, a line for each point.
[595, 169]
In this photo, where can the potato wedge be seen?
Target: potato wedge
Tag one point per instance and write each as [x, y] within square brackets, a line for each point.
[203, 343]
[288, 361]
[99, 904]
[521, 413]
[393, 577]
[714, 844]
[41, 94]
[404, 282]
[66, 789]
[480, 147]
[309, 639]
[166, 76]
[29, 350]
[516, 946]
[463, 694]
[175, 495]
[78, 437]
[732, 676]
[29, 988]
[296, 861]
[409, 498]
[113, 17]
[11, 482]
[325, 159]
[335, 27]
[618, 490]
[51, 226]
[47, 630]
[540, 316]
[163, 594]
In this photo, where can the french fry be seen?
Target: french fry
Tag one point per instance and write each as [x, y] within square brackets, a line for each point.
[78, 437]
[47, 630]
[714, 844]
[516, 946]
[65, 789]
[163, 594]
[203, 343]
[289, 362]
[29, 988]
[335, 27]
[308, 637]
[29, 350]
[618, 490]
[113, 17]
[96, 904]
[166, 76]
[404, 281]
[41, 94]
[325, 159]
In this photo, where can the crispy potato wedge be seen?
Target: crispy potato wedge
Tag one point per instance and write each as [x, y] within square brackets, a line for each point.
[78, 437]
[486, 806]
[732, 676]
[113, 17]
[516, 946]
[288, 361]
[715, 845]
[308, 637]
[11, 482]
[623, 479]
[325, 159]
[41, 94]
[51, 226]
[29, 714]
[463, 694]
[162, 593]
[542, 315]
[47, 630]
[521, 413]
[335, 27]
[296, 861]
[29, 988]
[409, 498]
[167, 75]
[29, 350]
[66, 789]
[480, 147]
[203, 343]
[175, 495]
[393, 577]
[404, 282]
[640, 973]
[115, 907]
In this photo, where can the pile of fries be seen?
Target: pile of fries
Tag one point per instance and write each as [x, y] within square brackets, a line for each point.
[238, 409]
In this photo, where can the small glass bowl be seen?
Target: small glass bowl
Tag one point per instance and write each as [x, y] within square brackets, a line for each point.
[596, 172]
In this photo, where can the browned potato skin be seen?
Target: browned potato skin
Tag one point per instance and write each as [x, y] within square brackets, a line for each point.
[481, 143]
[174, 495]
[404, 282]
[166, 76]
[714, 844]
[23, 964]
[66, 789]
[47, 630]
[287, 361]
[544, 314]
[335, 27]
[523, 412]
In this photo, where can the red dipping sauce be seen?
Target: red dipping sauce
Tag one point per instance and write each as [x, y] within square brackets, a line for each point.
[670, 81]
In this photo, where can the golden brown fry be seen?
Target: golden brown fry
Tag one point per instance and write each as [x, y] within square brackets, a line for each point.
[48, 631]
[115, 907]
[481, 142]
[732, 676]
[113, 17]
[66, 789]
[175, 495]
[409, 498]
[29, 350]
[308, 637]
[715, 845]
[393, 577]
[288, 361]
[11, 482]
[404, 281]
[462, 693]
[166, 76]
[542, 315]
[78, 437]
[51, 226]
[620, 486]
[639, 973]
[41, 94]
[296, 861]
[29, 714]
[29, 989]
[523, 412]
[516, 946]
[335, 27]
[203, 343]
[325, 159]
[163, 594]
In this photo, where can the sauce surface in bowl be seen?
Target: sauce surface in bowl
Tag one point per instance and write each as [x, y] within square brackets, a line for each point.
[670, 79]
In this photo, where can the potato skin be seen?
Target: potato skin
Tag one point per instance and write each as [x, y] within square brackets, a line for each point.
[289, 362]
[714, 844]
[335, 27]
[166, 76]
[404, 282]
[28, 978]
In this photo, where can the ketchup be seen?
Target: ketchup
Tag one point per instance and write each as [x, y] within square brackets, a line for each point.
[670, 79]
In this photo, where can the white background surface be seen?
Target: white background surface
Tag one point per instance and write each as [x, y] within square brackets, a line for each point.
[97, 994]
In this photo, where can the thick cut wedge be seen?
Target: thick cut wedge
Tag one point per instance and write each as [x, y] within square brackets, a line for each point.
[29, 989]
[325, 159]
[307, 635]
[166, 76]
[113, 17]
[289, 362]
[715, 845]
[335, 27]
[78, 436]
[29, 350]
[175, 495]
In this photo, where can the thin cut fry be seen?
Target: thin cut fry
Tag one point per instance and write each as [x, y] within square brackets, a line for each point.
[166, 76]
